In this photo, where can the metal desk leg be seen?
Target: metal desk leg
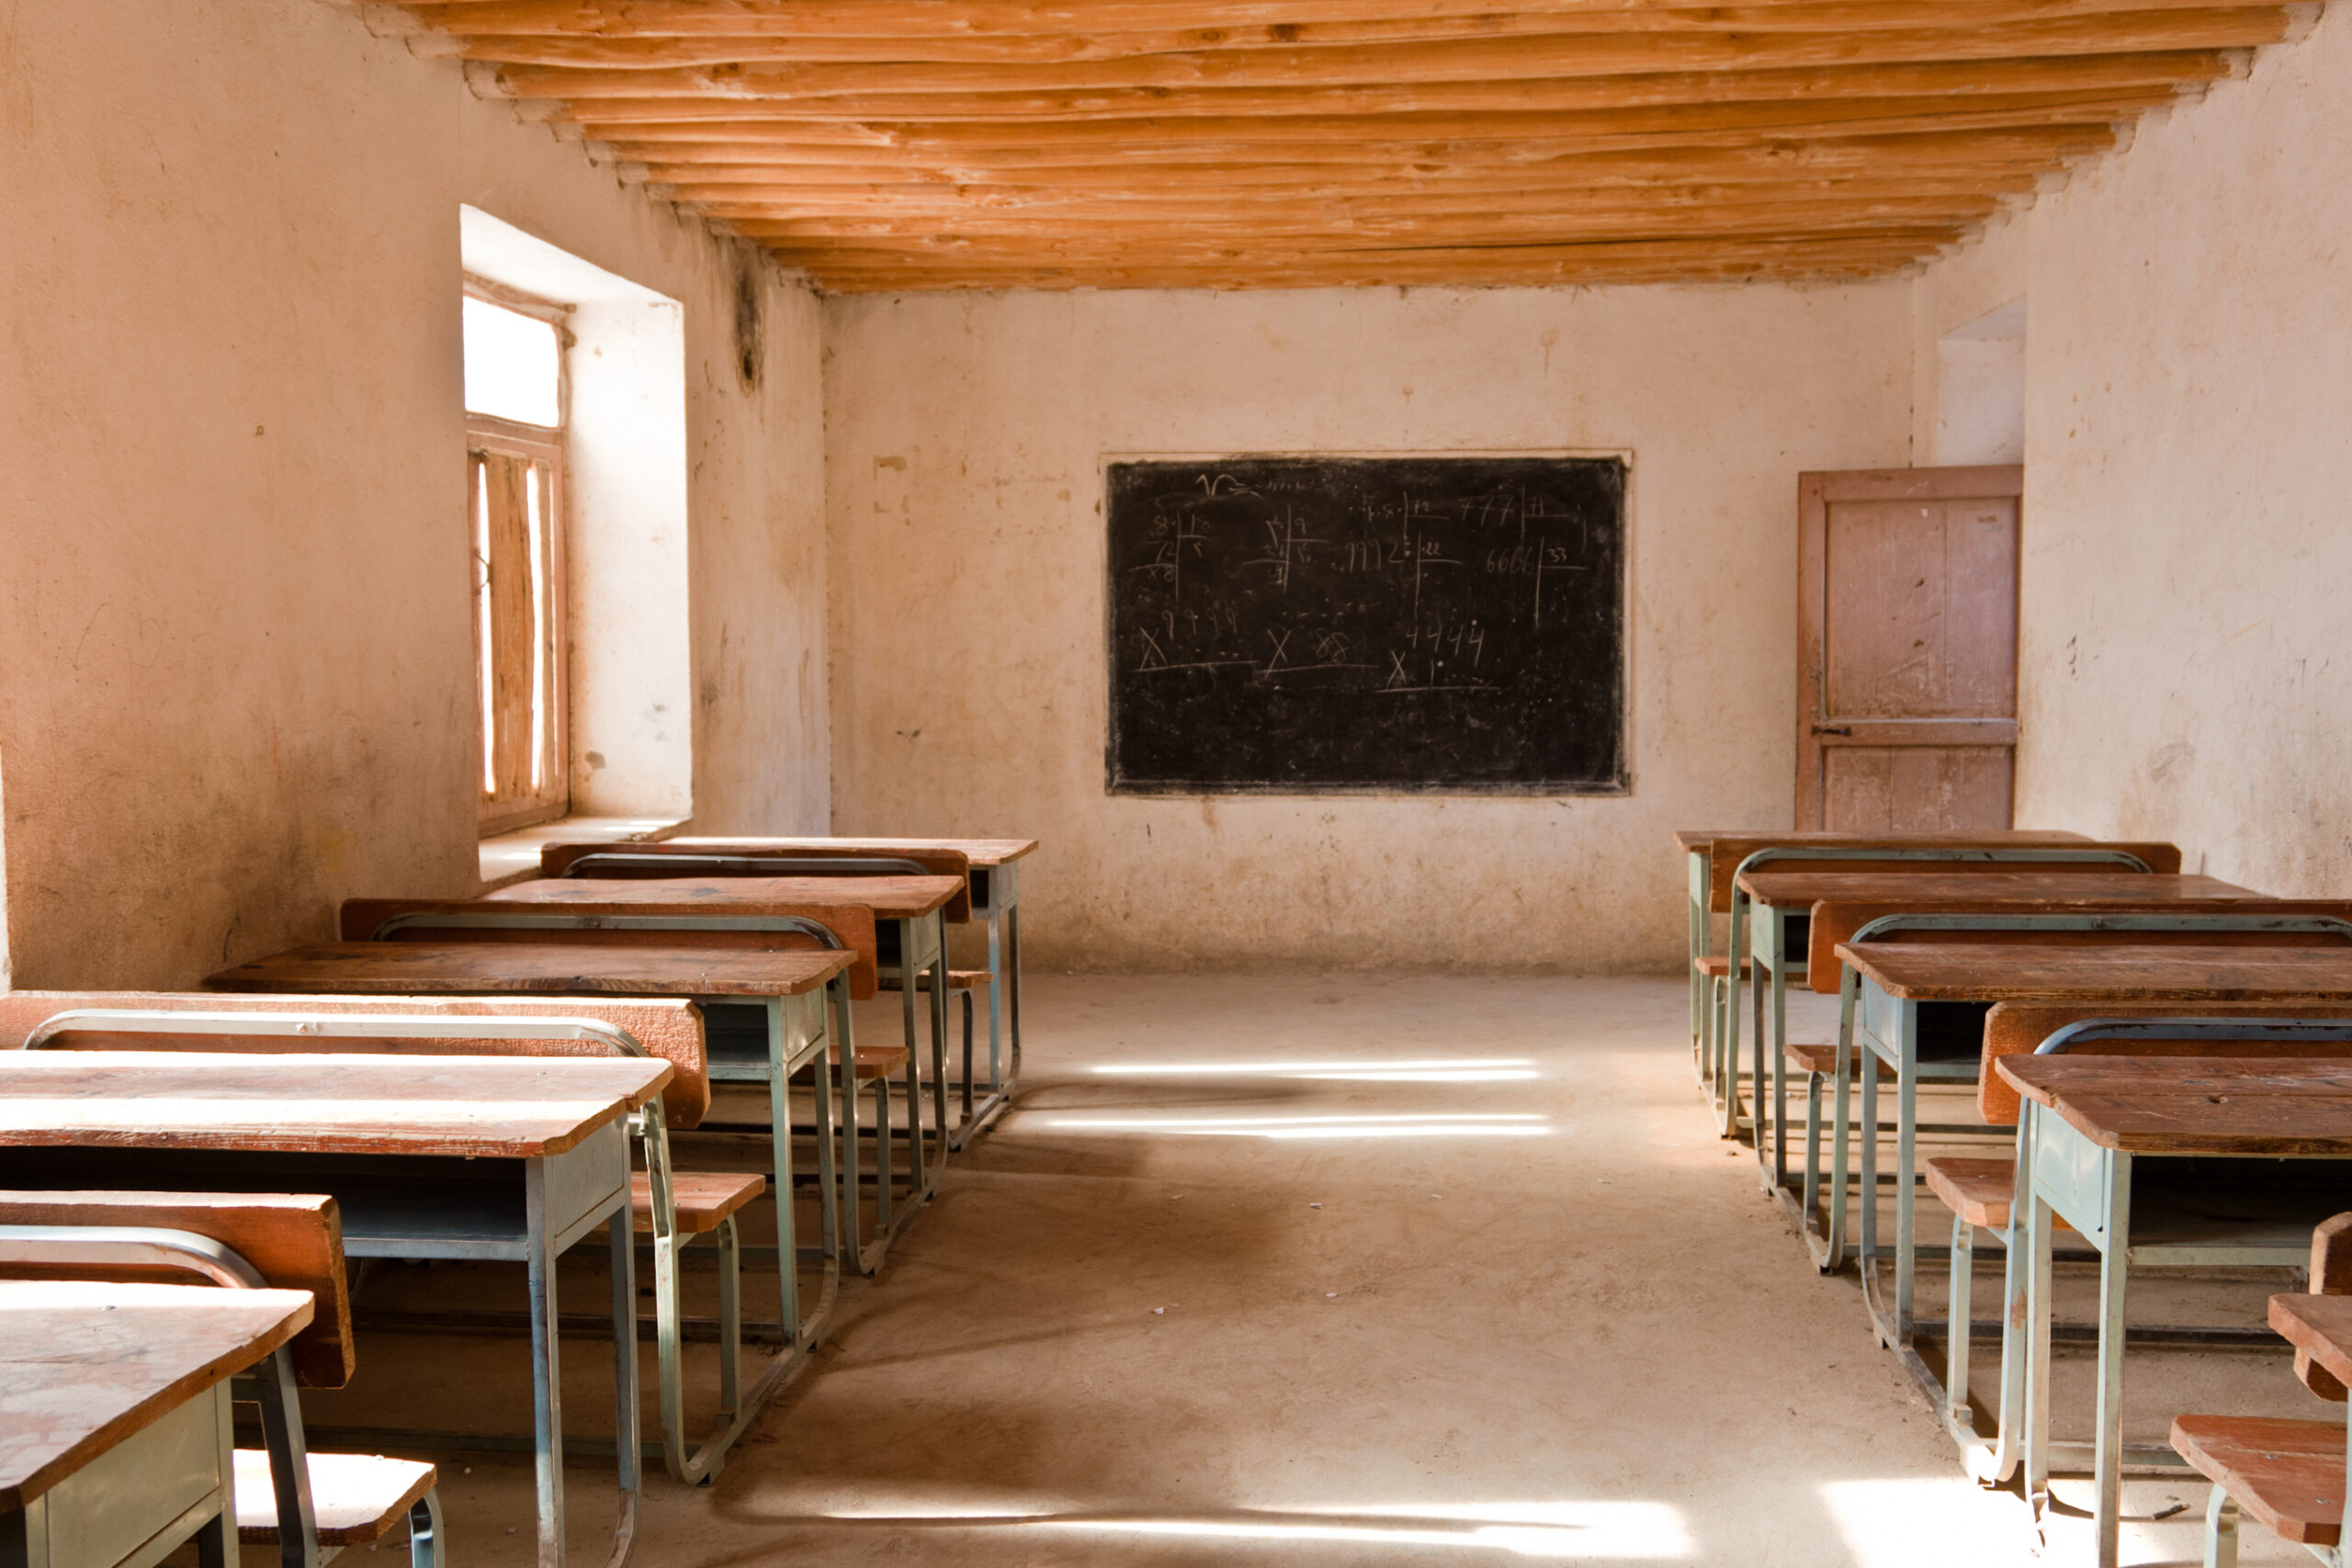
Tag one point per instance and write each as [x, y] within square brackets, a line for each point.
[1000, 910]
[2114, 1269]
[2029, 1203]
[623, 1246]
[1699, 898]
[939, 1041]
[547, 1386]
[1728, 1070]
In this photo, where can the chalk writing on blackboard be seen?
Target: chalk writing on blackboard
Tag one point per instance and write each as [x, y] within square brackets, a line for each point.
[1310, 625]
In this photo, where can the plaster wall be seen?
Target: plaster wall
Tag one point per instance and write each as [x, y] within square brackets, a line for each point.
[2185, 664]
[235, 652]
[962, 448]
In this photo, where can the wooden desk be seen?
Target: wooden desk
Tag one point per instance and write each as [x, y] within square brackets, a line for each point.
[1931, 853]
[115, 1442]
[473, 1157]
[1828, 903]
[909, 910]
[2088, 1120]
[995, 897]
[787, 988]
[1708, 880]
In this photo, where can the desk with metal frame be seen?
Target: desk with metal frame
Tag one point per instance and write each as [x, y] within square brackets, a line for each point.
[471, 1157]
[117, 1445]
[2087, 1121]
[789, 987]
[1836, 902]
[1767, 939]
[912, 906]
[995, 873]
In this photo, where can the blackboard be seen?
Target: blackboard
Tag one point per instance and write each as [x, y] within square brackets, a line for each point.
[1318, 625]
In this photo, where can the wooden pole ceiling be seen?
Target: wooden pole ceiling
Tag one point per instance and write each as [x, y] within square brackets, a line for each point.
[923, 144]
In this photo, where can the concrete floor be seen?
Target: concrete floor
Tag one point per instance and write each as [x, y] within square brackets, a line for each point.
[1336, 1270]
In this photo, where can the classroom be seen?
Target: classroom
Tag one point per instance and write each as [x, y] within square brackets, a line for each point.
[1148, 783]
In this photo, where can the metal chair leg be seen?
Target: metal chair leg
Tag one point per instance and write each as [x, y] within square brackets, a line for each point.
[1958, 1324]
[2220, 1529]
[424, 1532]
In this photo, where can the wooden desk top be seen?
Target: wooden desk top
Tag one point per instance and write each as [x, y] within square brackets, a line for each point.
[84, 1365]
[891, 897]
[1996, 972]
[408, 968]
[1692, 839]
[2196, 1105]
[1725, 855]
[496, 1107]
[1987, 889]
[983, 852]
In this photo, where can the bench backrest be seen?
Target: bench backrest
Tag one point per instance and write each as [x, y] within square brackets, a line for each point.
[671, 1030]
[2020, 1029]
[849, 926]
[1727, 856]
[1833, 923]
[293, 1241]
[728, 857]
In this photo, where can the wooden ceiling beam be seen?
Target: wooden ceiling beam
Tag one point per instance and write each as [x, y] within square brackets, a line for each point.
[1854, 249]
[1548, 58]
[1337, 202]
[1094, 142]
[1280, 21]
[723, 161]
[705, 35]
[1916, 156]
[1940, 78]
[1466, 271]
[1312, 231]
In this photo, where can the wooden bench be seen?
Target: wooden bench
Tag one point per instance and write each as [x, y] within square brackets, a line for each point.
[285, 1242]
[2291, 1475]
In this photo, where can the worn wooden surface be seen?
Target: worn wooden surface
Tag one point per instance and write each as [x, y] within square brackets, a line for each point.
[485, 1107]
[937, 860]
[852, 922]
[1995, 972]
[2287, 1475]
[405, 968]
[983, 852]
[1726, 854]
[355, 1499]
[2196, 1105]
[671, 1030]
[2330, 1275]
[84, 1364]
[2319, 1324]
[1843, 907]
[1788, 883]
[2016, 1028]
[293, 1240]
[891, 897]
[1692, 839]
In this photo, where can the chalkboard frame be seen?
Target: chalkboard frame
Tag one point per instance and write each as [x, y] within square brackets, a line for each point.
[1621, 787]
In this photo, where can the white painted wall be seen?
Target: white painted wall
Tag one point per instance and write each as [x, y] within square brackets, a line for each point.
[964, 435]
[235, 652]
[2187, 661]
[1980, 390]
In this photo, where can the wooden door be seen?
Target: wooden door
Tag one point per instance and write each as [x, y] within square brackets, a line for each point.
[1907, 648]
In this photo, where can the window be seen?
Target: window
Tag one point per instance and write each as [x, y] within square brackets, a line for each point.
[514, 410]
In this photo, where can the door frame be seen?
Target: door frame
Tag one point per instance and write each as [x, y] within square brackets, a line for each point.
[1815, 493]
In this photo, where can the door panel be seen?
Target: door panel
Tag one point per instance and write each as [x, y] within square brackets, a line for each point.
[1917, 789]
[1907, 715]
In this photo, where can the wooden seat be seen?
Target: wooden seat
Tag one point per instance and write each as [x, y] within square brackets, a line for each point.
[1719, 964]
[1978, 1190]
[700, 1199]
[1811, 1058]
[2287, 1474]
[957, 980]
[871, 1062]
[356, 1499]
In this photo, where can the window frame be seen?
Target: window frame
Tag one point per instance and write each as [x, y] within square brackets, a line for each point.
[544, 447]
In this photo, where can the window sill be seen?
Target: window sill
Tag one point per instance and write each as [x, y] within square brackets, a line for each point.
[515, 857]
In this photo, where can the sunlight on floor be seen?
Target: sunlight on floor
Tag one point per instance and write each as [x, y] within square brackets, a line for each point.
[1483, 1125]
[1930, 1522]
[1496, 1069]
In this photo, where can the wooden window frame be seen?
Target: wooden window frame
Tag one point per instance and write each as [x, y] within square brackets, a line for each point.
[543, 448]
